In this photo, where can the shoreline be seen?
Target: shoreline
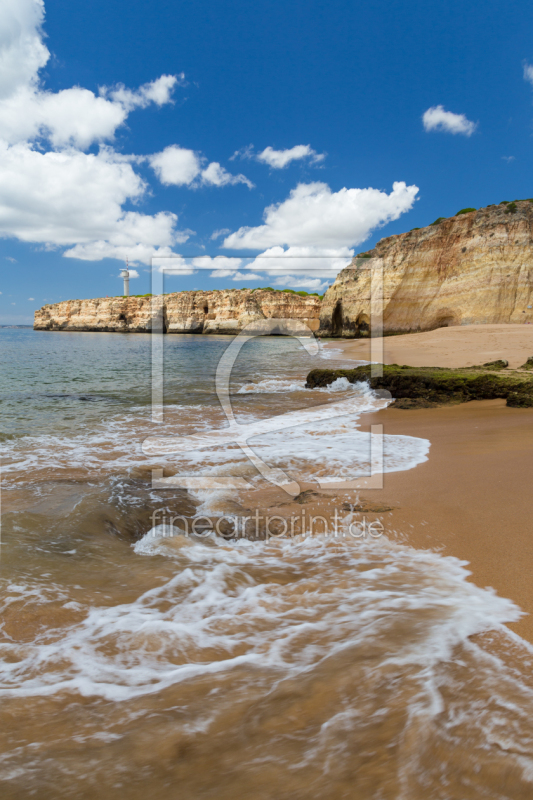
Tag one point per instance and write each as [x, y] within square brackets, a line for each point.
[471, 498]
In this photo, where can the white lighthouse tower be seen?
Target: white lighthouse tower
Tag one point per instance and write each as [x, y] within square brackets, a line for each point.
[125, 273]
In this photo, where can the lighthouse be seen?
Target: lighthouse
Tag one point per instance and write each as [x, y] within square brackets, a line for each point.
[125, 273]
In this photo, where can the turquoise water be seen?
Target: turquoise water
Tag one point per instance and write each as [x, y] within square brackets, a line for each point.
[63, 382]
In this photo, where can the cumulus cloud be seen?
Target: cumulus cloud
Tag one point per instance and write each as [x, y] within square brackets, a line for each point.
[236, 276]
[314, 216]
[72, 117]
[247, 276]
[217, 262]
[178, 166]
[75, 198]
[437, 118]
[219, 233]
[278, 159]
[53, 193]
[528, 73]
[22, 51]
[319, 262]
[313, 284]
[215, 175]
[158, 92]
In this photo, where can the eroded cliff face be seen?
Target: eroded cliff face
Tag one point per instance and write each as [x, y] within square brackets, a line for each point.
[226, 311]
[472, 268]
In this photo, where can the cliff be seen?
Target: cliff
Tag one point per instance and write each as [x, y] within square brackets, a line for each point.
[472, 268]
[226, 311]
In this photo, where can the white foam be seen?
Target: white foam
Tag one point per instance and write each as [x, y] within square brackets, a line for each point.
[340, 593]
[272, 386]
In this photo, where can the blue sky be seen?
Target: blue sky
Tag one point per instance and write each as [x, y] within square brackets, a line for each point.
[146, 165]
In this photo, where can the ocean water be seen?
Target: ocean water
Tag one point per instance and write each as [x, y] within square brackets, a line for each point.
[137, 665]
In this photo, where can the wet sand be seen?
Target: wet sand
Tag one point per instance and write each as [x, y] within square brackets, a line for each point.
[473, 498]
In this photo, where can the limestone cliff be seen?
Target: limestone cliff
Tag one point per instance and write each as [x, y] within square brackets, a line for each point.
[226, 311]
[472, 268]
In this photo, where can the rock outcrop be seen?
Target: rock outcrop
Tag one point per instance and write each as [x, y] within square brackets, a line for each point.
[225, 311]
[475, 267]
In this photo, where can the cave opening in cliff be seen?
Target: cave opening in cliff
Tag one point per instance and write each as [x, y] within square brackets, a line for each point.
[362, 325]
[445, 319]
[336, 319]
[206, 309]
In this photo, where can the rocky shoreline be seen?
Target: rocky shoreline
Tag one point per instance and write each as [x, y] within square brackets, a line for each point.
[430, 387]
[217, 312]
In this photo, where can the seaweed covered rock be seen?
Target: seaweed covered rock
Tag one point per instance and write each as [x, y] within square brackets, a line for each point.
[499, 364]
[423, 387]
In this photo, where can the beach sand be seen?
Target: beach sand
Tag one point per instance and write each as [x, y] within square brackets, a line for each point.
[460, 346]
[473, 498]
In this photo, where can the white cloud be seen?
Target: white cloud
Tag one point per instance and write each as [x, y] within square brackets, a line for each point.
[314, 216]
[133, 273]
[178, 166]
[528, 73]
[158, 92]
[22, 52]
[278, 159]
[297, 260]
[31, 299]
[437, 118]
[236, 276]
[173, 264]
[65, 197]
[219, 233]
[247, 276]
[215, 175]
[313, 284]
[74, 117]
[245, 152]
[218, 262]
[509, 159]
[75, 198]
[10, 258]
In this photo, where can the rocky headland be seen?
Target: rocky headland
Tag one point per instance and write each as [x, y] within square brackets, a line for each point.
[224, 311]
[475, 267]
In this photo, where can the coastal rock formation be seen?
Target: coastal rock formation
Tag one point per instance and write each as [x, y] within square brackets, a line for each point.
[426, 387]
[225, 311]
[475, 267]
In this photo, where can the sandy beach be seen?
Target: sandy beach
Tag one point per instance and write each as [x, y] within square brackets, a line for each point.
[461, 346]
[471, 499]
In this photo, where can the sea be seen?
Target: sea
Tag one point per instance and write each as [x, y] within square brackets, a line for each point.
[143, 659]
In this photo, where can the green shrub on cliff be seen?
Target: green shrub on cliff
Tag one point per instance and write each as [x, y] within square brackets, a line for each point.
[438, 221]
[511, 208]
[465, 211]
